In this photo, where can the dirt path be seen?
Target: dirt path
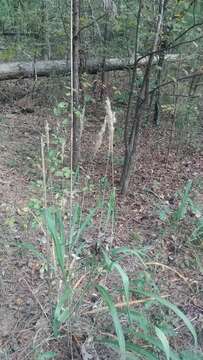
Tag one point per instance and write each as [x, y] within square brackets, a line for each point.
[21, 289]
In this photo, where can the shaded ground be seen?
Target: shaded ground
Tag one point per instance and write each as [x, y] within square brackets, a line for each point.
[159, 174]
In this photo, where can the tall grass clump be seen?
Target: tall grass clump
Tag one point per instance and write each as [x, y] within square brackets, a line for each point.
[94, 300]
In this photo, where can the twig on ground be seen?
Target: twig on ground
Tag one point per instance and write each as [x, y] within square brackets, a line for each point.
[123, 304]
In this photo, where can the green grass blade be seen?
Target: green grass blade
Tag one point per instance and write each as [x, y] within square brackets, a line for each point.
[182, 208]
[181, 315]
[32, 248]
[139, 318]
[111, 208]
[117, 325]
[114, 265]
[124, 278]
[157, 344]
[53, 222]
[127, 251]
[85, 224]
[136, 350]
[162, 337]
[61, 312]
[190, 355]
[75, 220]
[47, 355]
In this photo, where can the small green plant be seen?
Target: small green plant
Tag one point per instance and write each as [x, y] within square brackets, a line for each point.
[135, 236]
[187, 122]
[186, 210]
[137, 336]
[197, 234]
[170, 216]
[61, 108]
[121, 97]
[184, 203]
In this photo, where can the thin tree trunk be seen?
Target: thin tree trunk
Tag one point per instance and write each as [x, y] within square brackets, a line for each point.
[134, 75]
[130, 142]
[130, 155]
[157, 104]
[162, 46]
[103, 73]
[45, 32]
[76, 83]
[132, 138]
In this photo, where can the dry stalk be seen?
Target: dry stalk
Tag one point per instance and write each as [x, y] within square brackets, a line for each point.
[99, 137]
[121, 305]
[111, 120]
[79, 281]
[44, 172]
[50, 248]
[63, 146]
[36, 298]
[169, 268]
[82, 121]
[47, 134]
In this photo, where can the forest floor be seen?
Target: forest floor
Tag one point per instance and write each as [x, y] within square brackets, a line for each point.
[160, 172]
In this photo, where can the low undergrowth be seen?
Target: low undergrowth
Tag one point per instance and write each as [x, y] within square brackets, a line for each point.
[94, 299]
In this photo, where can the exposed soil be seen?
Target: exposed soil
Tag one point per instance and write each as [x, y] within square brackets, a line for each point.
[159, 173]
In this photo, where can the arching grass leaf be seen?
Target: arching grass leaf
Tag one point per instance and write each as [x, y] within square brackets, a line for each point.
[162, 337]
[117, 325]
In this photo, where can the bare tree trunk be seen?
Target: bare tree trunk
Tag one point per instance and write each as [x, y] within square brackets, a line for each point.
[103, 73]
[130, 147]
[23, 70]
[45, 31]
[130, 155]
[134, 74]
[132, 132]
[162, 46]
[76, 83]
[157, 105]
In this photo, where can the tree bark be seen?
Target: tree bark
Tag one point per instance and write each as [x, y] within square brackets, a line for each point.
[45, 31]
[132, 132]
[163, 44]
[15, 70]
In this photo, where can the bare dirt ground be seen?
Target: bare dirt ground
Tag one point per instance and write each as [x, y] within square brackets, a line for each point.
[24, 304]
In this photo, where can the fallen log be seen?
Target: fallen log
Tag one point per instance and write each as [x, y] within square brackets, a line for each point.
[15, 70]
